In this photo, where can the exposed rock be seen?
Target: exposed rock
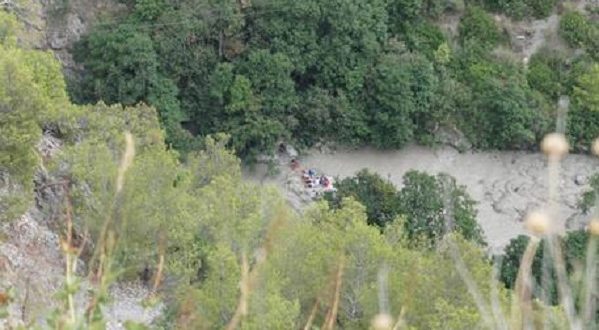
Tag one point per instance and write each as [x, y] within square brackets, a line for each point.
[325, 148]
[291, 151]
[452, 137]
[128, 304]
[580, 179]
[32, 264]
[57, 25]
[32, 267]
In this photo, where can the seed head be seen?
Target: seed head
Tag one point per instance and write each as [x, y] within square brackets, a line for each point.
[382, 321]
[595, 147]
[555, 145]
[594, 227]
[537, 222]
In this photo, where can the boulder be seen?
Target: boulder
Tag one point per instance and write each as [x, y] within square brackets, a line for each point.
[580, 180]
[451, 136]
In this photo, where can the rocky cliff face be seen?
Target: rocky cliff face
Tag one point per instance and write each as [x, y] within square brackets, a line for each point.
[57, 24]
[32, 264]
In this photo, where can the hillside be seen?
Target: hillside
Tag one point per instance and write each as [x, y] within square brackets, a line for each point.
[130, 129]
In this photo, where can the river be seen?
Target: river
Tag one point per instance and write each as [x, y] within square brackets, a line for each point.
[506, 184]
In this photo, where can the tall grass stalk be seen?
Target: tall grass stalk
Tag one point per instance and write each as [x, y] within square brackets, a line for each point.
[101, 275]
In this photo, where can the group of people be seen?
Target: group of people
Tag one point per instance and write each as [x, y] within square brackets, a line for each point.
[311, 179]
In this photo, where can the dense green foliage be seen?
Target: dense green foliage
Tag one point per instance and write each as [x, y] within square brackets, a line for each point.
[427, 206]
[32, 93]
[378, 195]
[381, 73]
[589, 197]
[230, 249]
[580, 32]
[519, 9]
[435, 205]
[575, 248]
[209, 225]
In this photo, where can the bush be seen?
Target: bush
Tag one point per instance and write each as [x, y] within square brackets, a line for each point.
[510, 265]
[505, 112]
[401, 92]
[547, 74]
[583, 116]
[378, 195]
[519, 9]
[575, 29]
[424, 202]
[589, 197]
[424, 38]
[476, 25]
[541, 8]
[574, 248]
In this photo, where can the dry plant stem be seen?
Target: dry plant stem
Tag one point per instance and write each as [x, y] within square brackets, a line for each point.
[495, 303]
[400, 319]
[546, 282]
[244, 288]
[332, 315]
[521, 308]
[158, 277]
[555, 249]
[248, 278]
[69, 262]
[470, 284]
[382, 285]
[589, 307]
[461, 266]
[107, 240]
[126, 161]
[158, 273]
[562, 284]
[312, 315]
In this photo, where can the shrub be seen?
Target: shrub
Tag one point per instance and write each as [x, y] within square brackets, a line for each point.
[575, 29]
[574, 248]
[478, 26]
[547, 73]
[424, 202]
[378, 195]
[541, 8]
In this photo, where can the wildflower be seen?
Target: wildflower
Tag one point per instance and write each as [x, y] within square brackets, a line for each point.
[594, 227]
[595, 147]
[555, 145]
[537, 222]
[382, 321]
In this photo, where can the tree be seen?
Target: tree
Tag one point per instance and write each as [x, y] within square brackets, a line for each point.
[270, 76]
[520, 9]
[582, 125]
[476, 25]
[547, 73]
[122, 66]
[586, 91]
[505, 112]
[574, 28]
[574, 246]
[400, 94]
[371, 190]
[330, 44]
[32, 94]
[435, 205]
[428, 206]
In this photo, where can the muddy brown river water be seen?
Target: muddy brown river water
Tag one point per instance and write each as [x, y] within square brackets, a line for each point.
[506, 185]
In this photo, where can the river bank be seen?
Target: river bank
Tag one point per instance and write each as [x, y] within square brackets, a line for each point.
[506, 184]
